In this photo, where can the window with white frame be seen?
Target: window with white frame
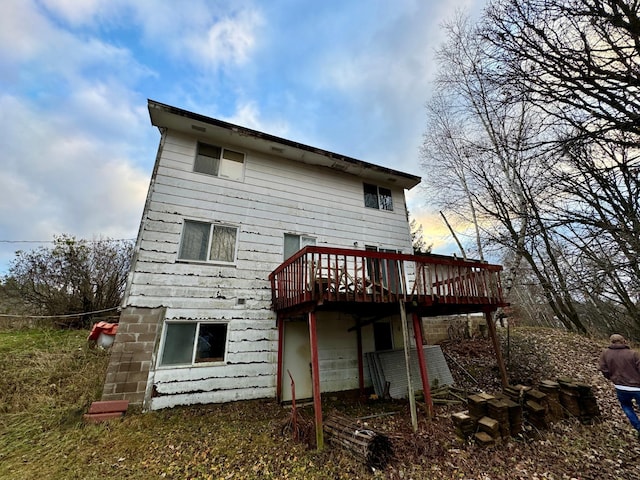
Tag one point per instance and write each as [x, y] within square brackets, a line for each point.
[219, 162]
[377, 197]
[293, 243]
[208, 242]
[191, 343]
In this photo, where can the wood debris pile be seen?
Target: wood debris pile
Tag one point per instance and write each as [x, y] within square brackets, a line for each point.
[370, 447]
[491, 418]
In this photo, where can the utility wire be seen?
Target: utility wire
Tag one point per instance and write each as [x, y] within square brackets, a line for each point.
[83, 240]
[59, 316]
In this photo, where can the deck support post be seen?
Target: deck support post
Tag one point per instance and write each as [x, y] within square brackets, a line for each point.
[280, 324]
[360, 359]
[491, 325]
[424, 374]
[315, 376]
[407, 360]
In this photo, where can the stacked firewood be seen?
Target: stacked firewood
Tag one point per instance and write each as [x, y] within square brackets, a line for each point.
[490, 418]
[370, 447]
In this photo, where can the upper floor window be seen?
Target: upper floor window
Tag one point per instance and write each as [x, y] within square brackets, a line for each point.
[293, 243]
[219, 162]
[208, 242]
[377, 197]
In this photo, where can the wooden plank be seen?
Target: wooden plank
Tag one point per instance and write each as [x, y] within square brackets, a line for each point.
[315, 374]
[407, 359]
[101, 417]
[109, 406]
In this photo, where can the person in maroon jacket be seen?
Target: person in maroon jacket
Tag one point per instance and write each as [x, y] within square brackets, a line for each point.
[621, 365]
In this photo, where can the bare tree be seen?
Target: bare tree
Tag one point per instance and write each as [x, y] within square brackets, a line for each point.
[576, 60]
[75, 276]
[482, 142]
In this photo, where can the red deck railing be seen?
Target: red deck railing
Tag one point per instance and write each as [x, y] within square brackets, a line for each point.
[320, 274]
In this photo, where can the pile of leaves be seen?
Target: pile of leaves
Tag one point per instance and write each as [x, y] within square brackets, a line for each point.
[56, 376]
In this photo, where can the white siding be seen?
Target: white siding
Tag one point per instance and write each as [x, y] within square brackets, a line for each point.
[276, 197]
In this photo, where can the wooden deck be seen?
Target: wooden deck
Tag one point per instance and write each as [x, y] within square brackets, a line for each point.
[320, 278]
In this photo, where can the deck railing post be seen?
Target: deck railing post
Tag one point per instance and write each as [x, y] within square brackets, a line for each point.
[280, 323]
[424, 374]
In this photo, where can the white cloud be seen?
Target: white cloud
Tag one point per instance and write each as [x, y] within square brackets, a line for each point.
[78, 12]
[35, 53]
[58, 177]
[248, 115]
[206, 34]
[384, 77]
[227, 41]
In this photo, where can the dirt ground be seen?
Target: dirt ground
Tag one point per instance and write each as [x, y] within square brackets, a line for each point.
[606, 448]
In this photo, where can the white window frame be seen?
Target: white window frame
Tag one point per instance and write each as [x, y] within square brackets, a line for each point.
[212, 226]
[222, 161]
[380, 204]
[194, 345]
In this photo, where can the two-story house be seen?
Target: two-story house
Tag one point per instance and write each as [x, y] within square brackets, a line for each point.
[259, 258]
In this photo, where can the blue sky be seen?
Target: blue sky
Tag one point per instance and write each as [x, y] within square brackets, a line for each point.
[77, 147]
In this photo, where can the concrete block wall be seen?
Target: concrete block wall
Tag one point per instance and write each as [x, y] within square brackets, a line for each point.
[436, 328]
[132, 354]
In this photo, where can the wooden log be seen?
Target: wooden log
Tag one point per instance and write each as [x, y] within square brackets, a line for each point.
[370, 447]
[490, 426]
[552, 390]
[484, 439]
[536, 396]
[477, 406]
[569, 396]
[498, 409]
[536, 414]
[515, 417]
[464, 424]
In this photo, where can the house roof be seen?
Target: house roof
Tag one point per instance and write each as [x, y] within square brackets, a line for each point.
[174, 118]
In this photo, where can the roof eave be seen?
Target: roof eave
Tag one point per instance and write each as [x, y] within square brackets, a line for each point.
[167, 116]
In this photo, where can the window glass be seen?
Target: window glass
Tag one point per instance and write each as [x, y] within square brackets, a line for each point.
[377, 197]
[232, 165]
[306, 241]
[386, 201]
[178, 343]
[293, 243]
[219, 162]
[370, 196]
[207, 159]
[223, 244]
[212, 341]
[195, 240]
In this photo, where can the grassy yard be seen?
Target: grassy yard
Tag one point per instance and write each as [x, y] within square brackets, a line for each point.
[50, 377]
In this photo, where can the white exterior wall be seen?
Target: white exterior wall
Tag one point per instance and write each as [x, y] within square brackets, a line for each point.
[277, 196]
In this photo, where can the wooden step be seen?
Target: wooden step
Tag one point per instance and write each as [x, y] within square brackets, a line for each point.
[109, 406]
[106, 410]
[101, 417]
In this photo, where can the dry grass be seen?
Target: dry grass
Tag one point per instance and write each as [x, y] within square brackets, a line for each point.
[50, 377]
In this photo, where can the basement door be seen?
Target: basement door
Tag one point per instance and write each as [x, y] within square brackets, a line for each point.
[296, 359]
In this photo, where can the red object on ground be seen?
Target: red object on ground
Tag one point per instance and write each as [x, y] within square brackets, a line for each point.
[102, 327]
[106, 410]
